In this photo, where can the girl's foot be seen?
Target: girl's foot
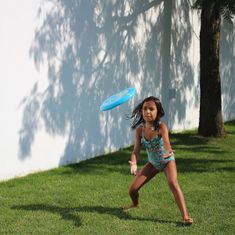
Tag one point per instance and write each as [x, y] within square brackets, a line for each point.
[187, 221]
[130, 207]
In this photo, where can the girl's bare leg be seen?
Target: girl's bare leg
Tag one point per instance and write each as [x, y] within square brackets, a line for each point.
[171, 174]
[147, 173]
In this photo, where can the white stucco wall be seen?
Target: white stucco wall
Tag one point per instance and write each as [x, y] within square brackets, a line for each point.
[18, 75]
[60, 60]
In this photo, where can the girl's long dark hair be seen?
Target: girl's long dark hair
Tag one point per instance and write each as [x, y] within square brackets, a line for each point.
[137, 116]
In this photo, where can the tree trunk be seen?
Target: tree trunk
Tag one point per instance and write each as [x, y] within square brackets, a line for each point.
[211, 119]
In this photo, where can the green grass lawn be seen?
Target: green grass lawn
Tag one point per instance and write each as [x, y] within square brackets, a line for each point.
[87, 198]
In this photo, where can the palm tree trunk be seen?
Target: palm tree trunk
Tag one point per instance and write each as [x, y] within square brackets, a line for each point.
[210, 118]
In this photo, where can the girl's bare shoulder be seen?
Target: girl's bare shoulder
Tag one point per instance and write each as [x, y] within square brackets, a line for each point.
[139, 130]
[162, 127]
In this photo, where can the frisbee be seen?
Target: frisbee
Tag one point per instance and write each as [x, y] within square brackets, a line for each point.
[118, 99]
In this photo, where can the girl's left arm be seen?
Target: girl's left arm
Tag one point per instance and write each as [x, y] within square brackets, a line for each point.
[166, 141]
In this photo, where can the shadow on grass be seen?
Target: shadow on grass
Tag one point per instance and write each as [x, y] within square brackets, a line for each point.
[231, 126]
[231, 123]
[204, 165]
[102, 165]
[184, 165]
[184, 143]
[69, 213]
[118, 163]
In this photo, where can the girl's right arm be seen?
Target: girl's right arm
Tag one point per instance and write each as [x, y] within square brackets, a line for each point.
[136, 151]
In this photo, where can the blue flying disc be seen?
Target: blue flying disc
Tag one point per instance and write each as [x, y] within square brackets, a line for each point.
[118, 99]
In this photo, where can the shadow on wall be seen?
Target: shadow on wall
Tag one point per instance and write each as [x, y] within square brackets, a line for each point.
[93, 49]
[227, 69]
[183, 67]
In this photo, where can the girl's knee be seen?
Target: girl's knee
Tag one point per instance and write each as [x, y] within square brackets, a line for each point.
[173, 184]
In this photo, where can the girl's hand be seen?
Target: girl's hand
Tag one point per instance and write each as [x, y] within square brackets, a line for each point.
[133, 167]
[168, 153]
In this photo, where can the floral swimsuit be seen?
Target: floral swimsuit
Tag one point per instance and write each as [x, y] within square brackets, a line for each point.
[155, 149]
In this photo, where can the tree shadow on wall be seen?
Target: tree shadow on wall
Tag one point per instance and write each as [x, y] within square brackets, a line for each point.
[93, 49]
[227, 68]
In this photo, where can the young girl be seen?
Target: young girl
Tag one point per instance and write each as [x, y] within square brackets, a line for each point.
[153, 135]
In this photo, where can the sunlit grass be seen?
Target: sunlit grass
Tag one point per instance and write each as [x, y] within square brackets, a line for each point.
[87, 198]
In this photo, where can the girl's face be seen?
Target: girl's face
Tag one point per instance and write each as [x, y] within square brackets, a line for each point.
[149, 111]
